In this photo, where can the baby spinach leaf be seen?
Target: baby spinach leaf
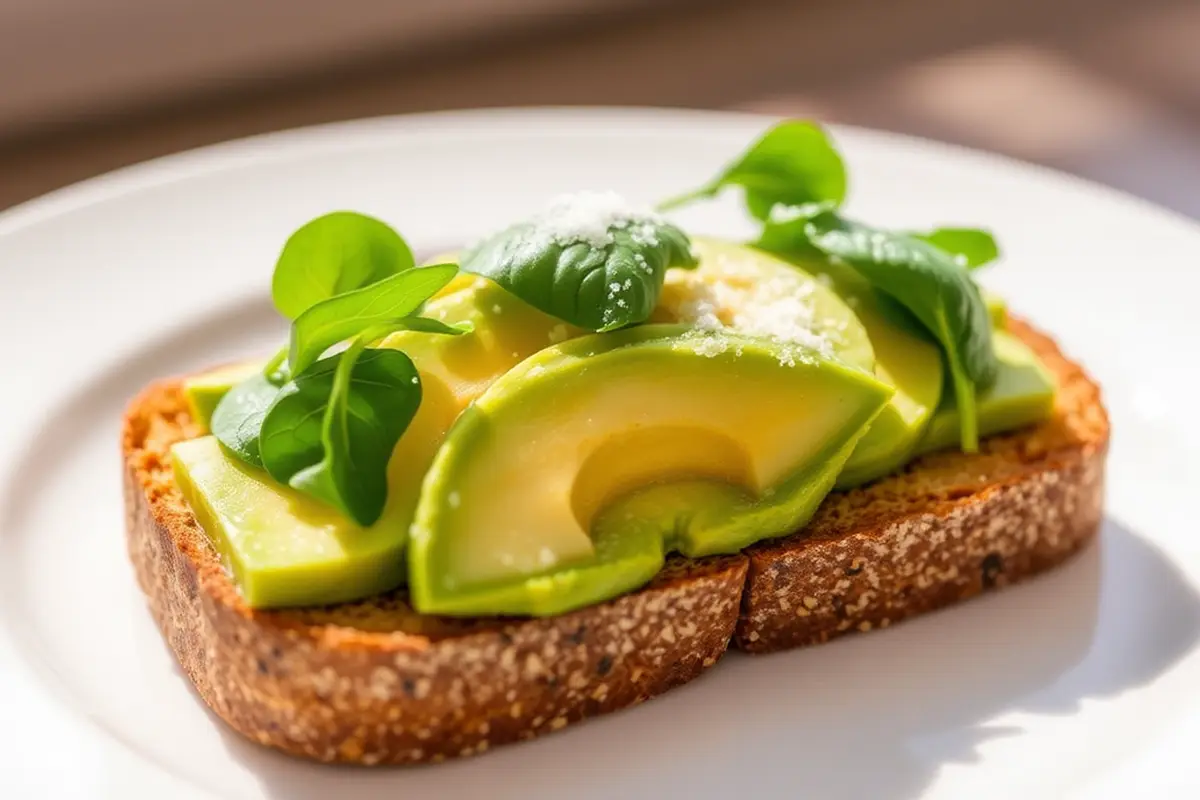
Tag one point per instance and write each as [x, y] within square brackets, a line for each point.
[970, 247]
[332, 429]
[794, 164]
[334, 254]
[938, 292]
[347, 315]
[597, 286]
[238, 417]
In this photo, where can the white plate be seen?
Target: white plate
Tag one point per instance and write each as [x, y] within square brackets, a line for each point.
[1086, 681]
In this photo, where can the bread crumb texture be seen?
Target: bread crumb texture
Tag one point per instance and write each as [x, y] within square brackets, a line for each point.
[376, 683]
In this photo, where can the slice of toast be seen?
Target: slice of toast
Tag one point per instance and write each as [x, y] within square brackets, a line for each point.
[374, 682]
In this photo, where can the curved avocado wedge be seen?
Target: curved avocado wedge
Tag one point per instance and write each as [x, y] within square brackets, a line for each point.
[570, 478]
[1023, 394]
[906, 359]
[758, 294]
[754, 288]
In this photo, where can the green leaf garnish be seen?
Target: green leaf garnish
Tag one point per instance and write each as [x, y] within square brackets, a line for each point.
[334, 254]
[970, 247]
[238, 417]
[347, 315]
[924, 279]
[793, 164]
[585, 261]
[332, 429]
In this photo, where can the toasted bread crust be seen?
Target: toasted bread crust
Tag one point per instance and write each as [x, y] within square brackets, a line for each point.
[375, 682]
[945, 529]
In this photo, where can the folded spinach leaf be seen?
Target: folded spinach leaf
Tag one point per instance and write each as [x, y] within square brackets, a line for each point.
[331, 431]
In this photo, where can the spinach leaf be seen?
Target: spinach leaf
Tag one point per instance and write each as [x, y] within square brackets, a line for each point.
[347, 315]
[938, 292]
[924, 279]
[793, 164]
[238, 417]
[970, 247]
[332, 429]
[334, 254]
[597, 283]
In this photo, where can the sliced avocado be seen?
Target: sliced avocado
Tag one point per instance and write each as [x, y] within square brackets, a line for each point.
[205, 390]
[997, 310]
[454, 371]
[568, 480]
[1023, 394]
[284, 548]
[905, 358]
[757, 294]
[911, 364]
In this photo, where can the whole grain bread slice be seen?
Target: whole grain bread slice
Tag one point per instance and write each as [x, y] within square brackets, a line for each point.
[374, 682]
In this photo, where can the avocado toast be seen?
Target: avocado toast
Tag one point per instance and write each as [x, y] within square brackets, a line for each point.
[584, 520]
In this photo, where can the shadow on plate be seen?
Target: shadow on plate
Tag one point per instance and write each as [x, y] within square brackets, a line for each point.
[873, 716]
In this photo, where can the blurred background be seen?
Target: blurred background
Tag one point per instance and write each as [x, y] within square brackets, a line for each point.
[1107, 89]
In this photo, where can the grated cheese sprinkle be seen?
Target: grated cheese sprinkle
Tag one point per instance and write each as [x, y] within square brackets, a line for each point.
[587, 217]
[778, 308]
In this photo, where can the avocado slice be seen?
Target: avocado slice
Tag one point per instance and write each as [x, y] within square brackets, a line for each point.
[205, 390]
[285, 548]
[997, 309]
[906, 358]
[912, 364]
[1023, 394]
[454, 371]
[758, 294]
[568, 480]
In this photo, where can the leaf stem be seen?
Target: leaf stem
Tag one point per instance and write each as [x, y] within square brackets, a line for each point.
[968, 421]
[271, 369]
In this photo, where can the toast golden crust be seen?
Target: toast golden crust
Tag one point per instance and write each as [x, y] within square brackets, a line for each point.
[374, 682]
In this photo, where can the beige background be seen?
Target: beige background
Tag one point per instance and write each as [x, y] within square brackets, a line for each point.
[1109, 89]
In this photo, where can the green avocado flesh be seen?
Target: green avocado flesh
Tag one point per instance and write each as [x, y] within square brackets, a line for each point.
[907, 360]
[569, 479]
[997, 310]
[1023, 394]
[204, 391]
[284, 548]
[549, 469]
